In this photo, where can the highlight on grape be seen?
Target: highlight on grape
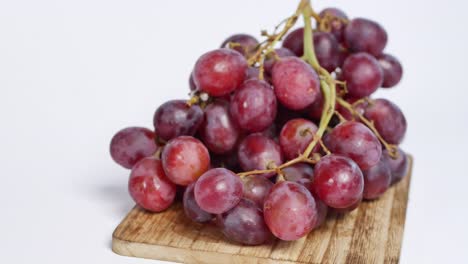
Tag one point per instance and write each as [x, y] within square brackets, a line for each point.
[276, 132]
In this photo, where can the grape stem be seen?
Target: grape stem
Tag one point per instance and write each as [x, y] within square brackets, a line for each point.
[392, 149]
[327, 82]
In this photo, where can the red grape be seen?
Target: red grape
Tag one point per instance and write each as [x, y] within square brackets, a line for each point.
[327, 50]
[356, 141]
[176, 118]
[244, 224]
[296, 84]
[218, 190]
[219, 132]
[191, 208]
[132, 144]
[337, 25]
[338, 181]
[388, 120]
[363, 74]
[220, 72]
[254, 106]
[363, 35]
[392, 70]
[315, 110]
[256, 188]
[296, 136]
[376, 180]
[247, 43]
[149, 186]
[290, 211]
[258, 152]
[271, 60]
[294, 41]
[185, 159]
[399, 166]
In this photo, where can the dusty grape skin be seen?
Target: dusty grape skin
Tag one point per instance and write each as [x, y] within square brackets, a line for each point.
[248, 43]
[363, 35]
[176, 118]
[220, 72]
[131, 144]
[191, 208]
[290, 211]
[338, 181]
[185, 159]
[398, 167]
[256, 188]
[254, 106]
[392, 70]
[377, 180]
[258, 152]
[363, 74]
[270, 60]
[356, 141]
[327, 50]
[301, 173]
[295, 83]
[149, 187]
[219, 131]
[388, 120]
[337, 26]
[218, 190]
[294, 41]
[244, 224]
[296, 136]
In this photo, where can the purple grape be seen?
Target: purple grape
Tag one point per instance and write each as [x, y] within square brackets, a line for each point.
[131, 145]
[337, 25]
[327, 50]
[296, 136]
[270, 61]
[244, 224]
[399, 166]
[191, 208]
[301, 173]
[219, 132]
[392, 70]
[363, 35]
[363, 74]
[377, 180]
[388, 120]
[257, 152]
[176, 118]
[247, 43]
[294, 41]
[256, 188]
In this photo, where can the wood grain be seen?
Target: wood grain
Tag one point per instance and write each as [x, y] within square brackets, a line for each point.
[370, 234]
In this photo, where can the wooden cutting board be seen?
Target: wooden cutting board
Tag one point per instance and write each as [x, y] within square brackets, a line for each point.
[370, 234]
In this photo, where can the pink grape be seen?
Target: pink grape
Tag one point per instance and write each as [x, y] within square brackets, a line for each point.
[256, 188]
[363, 74]
[218, 190]
[185, 159]
[388, 119]
[290, 211]
[376, 180]
[149, 186]
[296, 136]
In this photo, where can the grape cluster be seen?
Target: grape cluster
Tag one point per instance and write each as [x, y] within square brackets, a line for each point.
[271, 138]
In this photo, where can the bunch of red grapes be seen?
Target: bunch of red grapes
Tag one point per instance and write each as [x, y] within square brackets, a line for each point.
[238, 148]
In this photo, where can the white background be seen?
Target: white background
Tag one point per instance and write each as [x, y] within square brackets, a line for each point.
[72, 73]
